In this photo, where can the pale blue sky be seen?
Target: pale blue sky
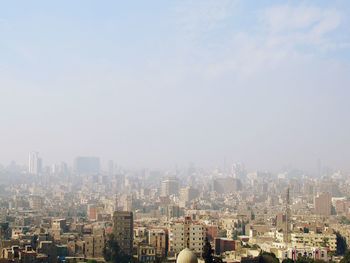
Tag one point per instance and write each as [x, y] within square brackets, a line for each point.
[158, 83]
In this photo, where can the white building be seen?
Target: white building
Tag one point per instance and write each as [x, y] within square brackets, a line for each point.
[35, 163]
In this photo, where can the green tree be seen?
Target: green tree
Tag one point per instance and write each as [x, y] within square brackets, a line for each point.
[341, 244]
[207, 252]
[91, 261]
[346, 258]
[217, 259]
[112, 252]
[306, 230]
[160, 259]
[305, 260]
[34, 241]
[287, 260]
[344, 220]
[268, 257]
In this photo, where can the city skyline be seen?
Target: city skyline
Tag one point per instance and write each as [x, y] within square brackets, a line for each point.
[36, 163]
[193, 131]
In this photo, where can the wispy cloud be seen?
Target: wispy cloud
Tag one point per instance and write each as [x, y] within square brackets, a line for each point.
[274, 35]
[300, 25]
[204, 15]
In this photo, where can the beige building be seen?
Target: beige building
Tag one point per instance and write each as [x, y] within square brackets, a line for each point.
[36, 202]
[187, 194]
[93, 245]
[146, 253]
[186, 234]
[300, 240]
[169, 186]
[295, 253]
[157, 238]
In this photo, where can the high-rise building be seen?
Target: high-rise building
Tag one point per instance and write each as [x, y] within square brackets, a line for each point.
[110, 167]
[93, 211]
[158, 238]
[226, 185]
[36, 202]
[323, 204]
[173, 211]
[238, 171]
[186, 234]
[187, 194]
[128, 203]
[94, 244]
[35, 163]
[123, 230]
[170, 186]
[87, 165]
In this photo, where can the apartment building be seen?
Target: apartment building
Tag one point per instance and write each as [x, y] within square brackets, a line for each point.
[157, 238]
[314, 240]
[186, 234]
[123, 230]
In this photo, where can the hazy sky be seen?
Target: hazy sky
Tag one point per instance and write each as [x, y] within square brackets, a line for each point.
[158, 83]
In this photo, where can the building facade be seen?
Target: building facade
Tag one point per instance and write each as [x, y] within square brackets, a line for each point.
[186, 234]
[123, 230]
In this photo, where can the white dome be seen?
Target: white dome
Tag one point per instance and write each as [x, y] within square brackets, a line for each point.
[186, 256]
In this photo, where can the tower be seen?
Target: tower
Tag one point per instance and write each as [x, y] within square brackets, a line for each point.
[34, 164]
[286, 238]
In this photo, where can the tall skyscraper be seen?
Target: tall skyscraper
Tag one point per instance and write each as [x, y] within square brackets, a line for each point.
[87, 165]
[123, 225]
[35, 163]
[110, 167]
[323, 204]
[170, 186]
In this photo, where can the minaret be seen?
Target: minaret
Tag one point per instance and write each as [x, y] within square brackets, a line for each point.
[286, 239]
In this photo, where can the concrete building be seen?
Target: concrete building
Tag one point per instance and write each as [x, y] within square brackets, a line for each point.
[173, 211]
[123, 230]
[59, 224]
[146, 254]
[226, 185]
[169, 186]
[301, 240]
[187, 194]
[36, 202]
[94, 211]
[87, 165]
[212, 232]
[222, 245]
[186, 234]
[158, 238]
[34, 163]
[94, 244]
[309, 252]
[323, 204]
